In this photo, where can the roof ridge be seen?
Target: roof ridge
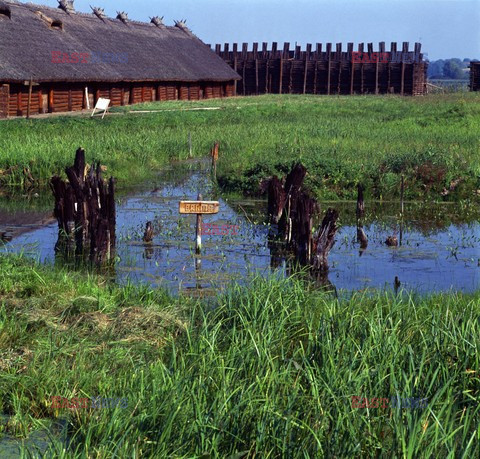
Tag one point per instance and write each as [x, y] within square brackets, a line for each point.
[31, 5]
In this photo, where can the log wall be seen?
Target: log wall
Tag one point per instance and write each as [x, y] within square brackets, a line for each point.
[474, 76]
[318, 70]
[4, 96]
[64, 97]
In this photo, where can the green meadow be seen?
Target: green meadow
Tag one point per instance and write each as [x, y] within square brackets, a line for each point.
[432, 141]
[264, 371]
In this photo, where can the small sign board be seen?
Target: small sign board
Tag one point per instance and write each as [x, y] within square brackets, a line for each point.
[199, 207]
[102, 106]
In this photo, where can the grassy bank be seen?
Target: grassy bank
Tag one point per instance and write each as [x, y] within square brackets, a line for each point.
[269, 371]
[341, 140]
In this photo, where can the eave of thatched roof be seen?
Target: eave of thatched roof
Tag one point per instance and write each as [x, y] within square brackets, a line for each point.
[154, 53]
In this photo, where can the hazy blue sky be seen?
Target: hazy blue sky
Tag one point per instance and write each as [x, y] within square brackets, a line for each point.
[446, 28]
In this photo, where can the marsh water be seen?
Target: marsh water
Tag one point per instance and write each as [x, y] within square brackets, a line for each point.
[439, 248]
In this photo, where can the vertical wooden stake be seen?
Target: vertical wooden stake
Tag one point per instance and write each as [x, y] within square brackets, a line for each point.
[305, 77]
[29, 97]
[256, 77]
[198, 242]
[235, 66]
[281, 76]
[402, 191]
[190, 155]
[352, 74]
[328, 77]
[402, 82]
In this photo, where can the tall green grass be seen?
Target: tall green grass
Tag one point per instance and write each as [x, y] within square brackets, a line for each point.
[342, 140]
[266, 370]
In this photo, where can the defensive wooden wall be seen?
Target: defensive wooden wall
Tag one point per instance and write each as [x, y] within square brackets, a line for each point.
[318, 70]
[474, 76]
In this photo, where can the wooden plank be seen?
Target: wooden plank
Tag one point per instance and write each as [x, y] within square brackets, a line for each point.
[290, 81]
[255, 56]
[361, 50]
[329, 58]
[199, 207]
[281, 76]
[19, 103]
[267, 89]
[352, 69]
[235, 64]
[305, 76]
[29, 97]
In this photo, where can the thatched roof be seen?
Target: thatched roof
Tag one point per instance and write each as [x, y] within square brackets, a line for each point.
[29, 34]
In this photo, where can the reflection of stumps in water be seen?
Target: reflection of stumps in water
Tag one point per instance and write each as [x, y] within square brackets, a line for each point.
[396, 285]
[325, 240]
[198, 239]
[362, 238]
[85, 210]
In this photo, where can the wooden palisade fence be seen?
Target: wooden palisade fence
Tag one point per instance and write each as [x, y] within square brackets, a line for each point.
[85, 210]
[475, 76]
[318, 70]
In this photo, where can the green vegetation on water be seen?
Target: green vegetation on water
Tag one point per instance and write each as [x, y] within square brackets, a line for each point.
[268, 370]
[432, 140]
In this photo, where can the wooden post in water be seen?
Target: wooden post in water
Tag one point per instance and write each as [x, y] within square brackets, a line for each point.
[402, 191]
[198, 240]
[214, 154]
[402, 206]
[361, 236]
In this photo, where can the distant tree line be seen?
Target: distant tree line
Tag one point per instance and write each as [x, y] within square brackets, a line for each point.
[450, 69]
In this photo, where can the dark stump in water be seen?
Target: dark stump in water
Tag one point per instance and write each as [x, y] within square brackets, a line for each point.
[294, 211]
[85, 210]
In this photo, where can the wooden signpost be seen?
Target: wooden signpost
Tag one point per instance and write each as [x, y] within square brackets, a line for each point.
[200, 208]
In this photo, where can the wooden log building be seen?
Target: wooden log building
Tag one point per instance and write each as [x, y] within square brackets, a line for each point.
[58, 60]
[318, 70]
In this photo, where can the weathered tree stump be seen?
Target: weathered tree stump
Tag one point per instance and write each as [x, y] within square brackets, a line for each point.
[361, 236]
[276, 200]
[324, 240]
[85, 210]
[148, 234]
[294, 210]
